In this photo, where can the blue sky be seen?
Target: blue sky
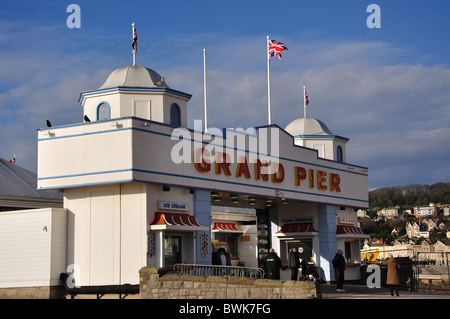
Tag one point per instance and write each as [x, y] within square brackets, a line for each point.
[386, 89]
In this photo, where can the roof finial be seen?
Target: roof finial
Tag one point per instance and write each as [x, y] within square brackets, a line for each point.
[134, 44]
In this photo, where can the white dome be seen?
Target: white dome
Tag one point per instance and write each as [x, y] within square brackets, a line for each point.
[134, 76]
[307, 126]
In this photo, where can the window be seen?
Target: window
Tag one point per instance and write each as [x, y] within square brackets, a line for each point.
[339, 154]
[103, 112]
[231, 239]
[175, 115]
[304, 248]
[348, 252]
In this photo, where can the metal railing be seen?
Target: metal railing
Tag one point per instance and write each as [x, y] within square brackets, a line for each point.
[215, 270]
[433, 271]
[419, 270]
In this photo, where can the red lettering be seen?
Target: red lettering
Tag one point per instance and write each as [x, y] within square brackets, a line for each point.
[223, 162]
[258, 174]
[202, 161]
[335, 180]
[278, 177]
[321, 179]
[242, 168]
[311, 178]
[300, 174]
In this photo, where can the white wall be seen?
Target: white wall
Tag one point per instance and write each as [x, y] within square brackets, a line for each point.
[32, 247]
[107, 232]
[248, 249]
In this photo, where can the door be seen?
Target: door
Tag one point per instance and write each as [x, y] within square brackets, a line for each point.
[172, 250]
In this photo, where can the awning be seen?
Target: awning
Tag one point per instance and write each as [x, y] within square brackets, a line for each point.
[225, 227]
[297, 229]
[176, 221]
[349, 231]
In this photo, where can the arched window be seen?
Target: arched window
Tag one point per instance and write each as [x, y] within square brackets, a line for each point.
[103, 112]
[175, 115]
[339, 154]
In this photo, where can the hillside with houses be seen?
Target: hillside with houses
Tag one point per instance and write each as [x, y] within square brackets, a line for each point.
[408, 217]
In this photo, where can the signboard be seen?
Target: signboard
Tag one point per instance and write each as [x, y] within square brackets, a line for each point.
[297, 220]
[173, 206]
[349, 221]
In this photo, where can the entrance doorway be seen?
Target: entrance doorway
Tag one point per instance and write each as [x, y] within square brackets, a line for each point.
[172, 250]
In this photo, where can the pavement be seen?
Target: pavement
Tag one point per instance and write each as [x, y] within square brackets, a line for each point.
[363, 292]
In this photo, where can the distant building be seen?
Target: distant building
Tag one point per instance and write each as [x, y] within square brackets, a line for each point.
[446, 211]
[391, 212]
[425, 211]
[361, 213]
[412, 230]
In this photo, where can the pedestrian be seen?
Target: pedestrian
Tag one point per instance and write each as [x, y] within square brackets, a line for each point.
[339, 268]
[392, 273]
[273, 265]
[294, 263]
[221, 257]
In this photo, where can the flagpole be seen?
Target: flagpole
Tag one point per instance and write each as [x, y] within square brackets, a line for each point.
[268, 82]
[304, 101]
[134, 51]
[204, 89]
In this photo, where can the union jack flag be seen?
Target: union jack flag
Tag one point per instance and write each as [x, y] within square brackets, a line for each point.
[306, 98]
[275, 48]
[134, 44]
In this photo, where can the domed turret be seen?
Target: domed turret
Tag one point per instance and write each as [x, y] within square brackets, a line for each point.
[312, 133]
[134, 76]
[307, 126]
[136, 91]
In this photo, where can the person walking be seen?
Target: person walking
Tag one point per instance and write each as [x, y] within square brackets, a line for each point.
[339, 268]
[273, 265]
[294, 263]
[392, 273]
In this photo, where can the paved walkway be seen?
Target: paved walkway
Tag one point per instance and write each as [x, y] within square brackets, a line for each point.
[364, 292]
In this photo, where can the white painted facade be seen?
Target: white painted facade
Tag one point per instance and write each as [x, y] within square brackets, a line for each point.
[32, 247]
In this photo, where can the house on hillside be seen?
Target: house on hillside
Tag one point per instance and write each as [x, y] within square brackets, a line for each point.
[424, 211]
[390, 212]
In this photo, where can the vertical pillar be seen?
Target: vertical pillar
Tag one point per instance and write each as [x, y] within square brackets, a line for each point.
[327, 240]
[273, 228]
[158, 259]
[202, 211]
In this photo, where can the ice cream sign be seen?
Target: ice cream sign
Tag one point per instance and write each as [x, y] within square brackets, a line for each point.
[173, 206]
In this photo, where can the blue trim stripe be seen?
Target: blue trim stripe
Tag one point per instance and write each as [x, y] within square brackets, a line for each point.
[140, 89]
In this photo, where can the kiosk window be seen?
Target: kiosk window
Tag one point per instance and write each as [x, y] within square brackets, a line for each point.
[304, 248]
